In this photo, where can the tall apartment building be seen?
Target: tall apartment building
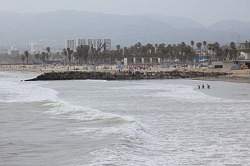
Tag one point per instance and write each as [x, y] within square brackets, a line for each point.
[71, 44]
[107, 43]
[95, 43]
[81, 42]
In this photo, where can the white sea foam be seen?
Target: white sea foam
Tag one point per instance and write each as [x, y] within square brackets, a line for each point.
[189, 94]
[137, 147]
[17, 91]
[186, 93]
[136, 142]
[179, 92]
[179, 138]
[82, 113]
[134, 136]
[12, 90]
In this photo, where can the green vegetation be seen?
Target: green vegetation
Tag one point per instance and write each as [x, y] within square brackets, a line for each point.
[181, 53]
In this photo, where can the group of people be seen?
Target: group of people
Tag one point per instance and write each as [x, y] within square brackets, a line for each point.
[203, 86]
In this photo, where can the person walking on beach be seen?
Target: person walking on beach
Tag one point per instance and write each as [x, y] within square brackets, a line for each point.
[203, 86]
[208, 86]
[199, 87]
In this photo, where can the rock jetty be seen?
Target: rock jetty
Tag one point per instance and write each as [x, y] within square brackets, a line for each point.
[80, 75]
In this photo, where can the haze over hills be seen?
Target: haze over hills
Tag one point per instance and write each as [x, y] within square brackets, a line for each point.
[21, 28]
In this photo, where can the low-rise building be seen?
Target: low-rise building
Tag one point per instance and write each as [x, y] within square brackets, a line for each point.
[243, 64]
[244, 55]
[244, 49]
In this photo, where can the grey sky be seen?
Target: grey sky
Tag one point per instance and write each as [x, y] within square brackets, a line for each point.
[205, 11]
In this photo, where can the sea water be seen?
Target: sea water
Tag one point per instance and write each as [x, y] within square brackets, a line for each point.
[123, 123]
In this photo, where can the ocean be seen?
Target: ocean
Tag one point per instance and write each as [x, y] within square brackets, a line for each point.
[123, 123]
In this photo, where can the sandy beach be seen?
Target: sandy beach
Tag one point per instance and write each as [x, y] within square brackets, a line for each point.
[237, 76]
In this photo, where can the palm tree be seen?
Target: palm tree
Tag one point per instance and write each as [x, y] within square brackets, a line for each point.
[204, 43]
[246, 44]
[192, 43]
[150, 48]
[217, 51]
[69, 54]
[233, 51]
[82, 54]
[23, 58]
[161, 48]
[118, 49]
[210, 48]
[26, 54]
[48, 49]
[182, 48]
[43, 57]
[199, 45]
[156, 48]
[65, 53]
[48, 53]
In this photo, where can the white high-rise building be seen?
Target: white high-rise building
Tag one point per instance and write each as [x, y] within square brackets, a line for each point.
[95, 43]
[99, 43]
[81, 42]
[91, 42]
[107, 43]
[71, 44]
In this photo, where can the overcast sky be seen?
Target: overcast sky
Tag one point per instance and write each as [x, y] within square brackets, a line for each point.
[204, 11]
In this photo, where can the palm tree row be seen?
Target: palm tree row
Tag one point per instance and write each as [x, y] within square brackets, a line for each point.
[42, 57]
[180, 52]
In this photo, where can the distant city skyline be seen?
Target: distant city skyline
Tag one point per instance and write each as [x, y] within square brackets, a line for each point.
[204, 11]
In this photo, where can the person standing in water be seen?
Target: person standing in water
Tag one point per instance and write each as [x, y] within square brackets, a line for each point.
[203, 86]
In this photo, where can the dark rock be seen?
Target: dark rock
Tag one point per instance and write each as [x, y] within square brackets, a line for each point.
[78, 75]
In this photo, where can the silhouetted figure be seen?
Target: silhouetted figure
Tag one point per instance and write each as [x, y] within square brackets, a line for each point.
[203, 86]
[199, 87]
[208, 86]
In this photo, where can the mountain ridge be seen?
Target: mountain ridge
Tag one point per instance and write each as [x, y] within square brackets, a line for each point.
[56, 26]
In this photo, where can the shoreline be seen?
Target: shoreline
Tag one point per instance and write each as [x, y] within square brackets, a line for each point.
[232, 79]
[240, 76]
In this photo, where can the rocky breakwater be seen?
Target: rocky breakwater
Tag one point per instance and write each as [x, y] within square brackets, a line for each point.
[80, 75]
